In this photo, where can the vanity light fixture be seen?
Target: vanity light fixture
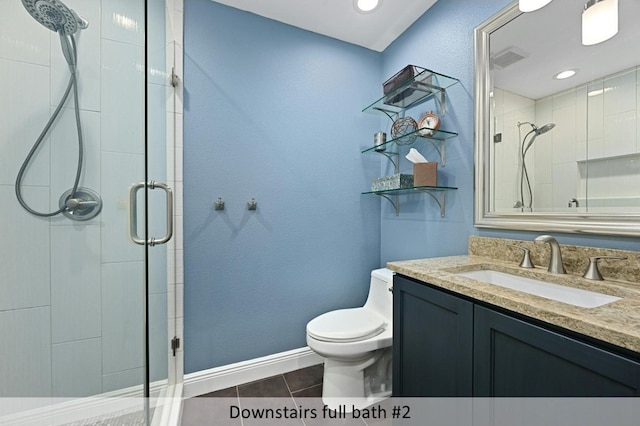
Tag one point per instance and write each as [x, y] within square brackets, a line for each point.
[599, 21]
[531, 5]
[565, 74]
[366, 6]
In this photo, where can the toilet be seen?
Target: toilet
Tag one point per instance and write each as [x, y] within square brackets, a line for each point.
[356, 345]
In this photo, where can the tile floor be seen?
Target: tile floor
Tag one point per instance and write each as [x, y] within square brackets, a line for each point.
[297, 390]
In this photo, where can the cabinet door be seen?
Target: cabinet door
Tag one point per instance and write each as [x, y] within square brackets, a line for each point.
[515, 358]
[432, 338]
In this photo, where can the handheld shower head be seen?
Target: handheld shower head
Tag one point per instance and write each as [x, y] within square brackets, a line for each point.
[56, 16]
[544, 129]
[77, 203]
[537, 131]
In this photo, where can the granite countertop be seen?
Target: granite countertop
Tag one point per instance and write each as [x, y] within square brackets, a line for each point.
[617, 323]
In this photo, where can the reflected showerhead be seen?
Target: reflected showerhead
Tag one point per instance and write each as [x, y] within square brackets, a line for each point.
[55, 15]
[544, 129]
[537, 131]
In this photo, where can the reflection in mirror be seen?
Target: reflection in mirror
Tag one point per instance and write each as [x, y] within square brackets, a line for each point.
[551, 152]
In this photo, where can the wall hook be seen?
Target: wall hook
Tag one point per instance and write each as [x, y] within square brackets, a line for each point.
[218, 204]
[252, 204]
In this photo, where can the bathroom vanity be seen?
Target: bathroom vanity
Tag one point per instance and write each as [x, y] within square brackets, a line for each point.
[457, 336]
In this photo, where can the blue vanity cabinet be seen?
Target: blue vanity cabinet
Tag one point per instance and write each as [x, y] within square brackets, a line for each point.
[449, 345]
[514, 358]
[432, 341]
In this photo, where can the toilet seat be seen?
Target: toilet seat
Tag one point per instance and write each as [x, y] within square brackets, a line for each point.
[346, 325]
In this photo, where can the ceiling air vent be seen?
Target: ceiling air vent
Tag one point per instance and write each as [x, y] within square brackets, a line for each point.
[507, 57]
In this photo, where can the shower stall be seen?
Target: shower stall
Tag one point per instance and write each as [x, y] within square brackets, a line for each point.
[88, 118]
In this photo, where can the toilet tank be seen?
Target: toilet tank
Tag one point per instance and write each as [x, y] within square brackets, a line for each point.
[380, 298]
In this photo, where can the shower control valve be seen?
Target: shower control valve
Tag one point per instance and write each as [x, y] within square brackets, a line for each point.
[79, 203]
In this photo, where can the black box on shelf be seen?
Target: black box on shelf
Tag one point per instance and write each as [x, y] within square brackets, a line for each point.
[401, 77]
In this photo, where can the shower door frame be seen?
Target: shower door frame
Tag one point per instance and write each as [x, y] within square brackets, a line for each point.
[170, 400]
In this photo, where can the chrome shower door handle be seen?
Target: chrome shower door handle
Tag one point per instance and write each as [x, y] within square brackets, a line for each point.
[133, 210]
[169, 194]
[133, 213]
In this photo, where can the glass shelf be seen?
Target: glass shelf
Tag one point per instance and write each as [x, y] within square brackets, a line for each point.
[439, 135]
[412, 190]
[422, 87]
[438, 193]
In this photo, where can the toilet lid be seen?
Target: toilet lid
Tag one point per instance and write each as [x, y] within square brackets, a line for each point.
[346, 325]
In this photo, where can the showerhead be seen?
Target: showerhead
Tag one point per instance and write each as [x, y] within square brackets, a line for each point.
[56, 16]
[537, 131]
[544, 129]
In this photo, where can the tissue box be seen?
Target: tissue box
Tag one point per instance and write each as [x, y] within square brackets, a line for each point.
[425, 174]
[396, 181]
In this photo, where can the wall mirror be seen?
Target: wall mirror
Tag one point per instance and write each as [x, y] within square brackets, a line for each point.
[557, 154]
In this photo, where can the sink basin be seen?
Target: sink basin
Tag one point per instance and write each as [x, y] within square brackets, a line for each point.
[561, 293]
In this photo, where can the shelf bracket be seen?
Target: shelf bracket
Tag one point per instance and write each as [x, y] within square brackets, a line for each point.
[443, 102]
[390, 155]
[441, 200]
[443, 95]
[390, 114]
[441, 147]
[395, 204]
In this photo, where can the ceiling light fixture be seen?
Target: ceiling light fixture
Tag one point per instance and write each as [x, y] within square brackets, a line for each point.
[565, 74]
[531, 5]
[599, 21]
[366, 6]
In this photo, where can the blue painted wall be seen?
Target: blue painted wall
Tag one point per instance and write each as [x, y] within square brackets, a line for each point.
[273, 112]
[441, 40]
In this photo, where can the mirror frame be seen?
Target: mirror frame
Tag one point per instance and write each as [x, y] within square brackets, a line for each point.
[585, 223]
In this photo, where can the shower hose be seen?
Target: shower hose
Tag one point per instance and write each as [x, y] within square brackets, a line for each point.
[69, 49]
[524, 176]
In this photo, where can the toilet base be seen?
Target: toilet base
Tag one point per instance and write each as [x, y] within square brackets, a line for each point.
[359, 383]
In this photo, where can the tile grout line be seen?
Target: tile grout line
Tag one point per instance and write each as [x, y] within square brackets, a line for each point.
[308, 387]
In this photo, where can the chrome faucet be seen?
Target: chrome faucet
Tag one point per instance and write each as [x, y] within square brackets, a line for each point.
[555, 262]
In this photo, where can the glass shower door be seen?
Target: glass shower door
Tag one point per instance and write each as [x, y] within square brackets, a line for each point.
[83, 116]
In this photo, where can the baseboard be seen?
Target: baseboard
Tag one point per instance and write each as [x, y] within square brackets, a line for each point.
[205, 381]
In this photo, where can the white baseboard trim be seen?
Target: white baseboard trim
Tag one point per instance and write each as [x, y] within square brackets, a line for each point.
[214, 379]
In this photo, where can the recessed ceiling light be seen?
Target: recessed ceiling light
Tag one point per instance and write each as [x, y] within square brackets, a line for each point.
[565, 74]
[366, 6]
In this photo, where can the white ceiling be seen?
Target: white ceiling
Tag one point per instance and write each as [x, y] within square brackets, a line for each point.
[338, 18]
[551, 37]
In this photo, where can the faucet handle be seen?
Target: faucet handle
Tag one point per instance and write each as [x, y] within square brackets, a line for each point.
[592, 272]
[526, 257]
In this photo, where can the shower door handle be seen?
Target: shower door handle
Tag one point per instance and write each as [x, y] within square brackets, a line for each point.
[133, 210]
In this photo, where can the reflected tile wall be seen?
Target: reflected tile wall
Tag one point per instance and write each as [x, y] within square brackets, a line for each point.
[598, 122]
[511, 109]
